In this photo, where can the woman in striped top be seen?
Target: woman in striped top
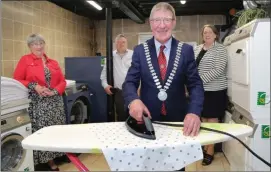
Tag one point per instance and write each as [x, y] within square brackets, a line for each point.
[211, 59]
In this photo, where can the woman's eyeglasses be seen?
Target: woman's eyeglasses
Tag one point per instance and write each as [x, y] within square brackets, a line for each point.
[36, 44]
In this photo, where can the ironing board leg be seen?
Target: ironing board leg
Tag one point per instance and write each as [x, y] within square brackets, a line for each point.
[79, 165]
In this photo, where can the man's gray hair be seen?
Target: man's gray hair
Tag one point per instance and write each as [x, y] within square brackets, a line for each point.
[163, 6]
[120, 36]
[34, 38]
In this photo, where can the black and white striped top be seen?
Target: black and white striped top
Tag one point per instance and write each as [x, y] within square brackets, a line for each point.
[213, 67]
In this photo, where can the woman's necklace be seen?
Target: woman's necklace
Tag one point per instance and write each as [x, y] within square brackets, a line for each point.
[44, 61]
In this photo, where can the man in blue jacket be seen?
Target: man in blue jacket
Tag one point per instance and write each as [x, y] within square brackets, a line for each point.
[164, 66]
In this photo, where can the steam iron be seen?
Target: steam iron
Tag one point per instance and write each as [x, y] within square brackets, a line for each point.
[144, 130]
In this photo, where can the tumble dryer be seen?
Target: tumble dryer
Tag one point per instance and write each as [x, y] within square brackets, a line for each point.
[77, 103]
[15, 126]
[249, 81]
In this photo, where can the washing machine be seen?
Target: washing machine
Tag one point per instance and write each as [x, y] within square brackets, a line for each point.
[15, 126]
[77, 101]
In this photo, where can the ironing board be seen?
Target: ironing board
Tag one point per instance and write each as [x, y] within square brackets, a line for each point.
[77, 138]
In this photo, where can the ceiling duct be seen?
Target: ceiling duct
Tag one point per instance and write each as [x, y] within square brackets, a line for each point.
[263, 2]
[127, 8]
[252, 4]
[249, 4]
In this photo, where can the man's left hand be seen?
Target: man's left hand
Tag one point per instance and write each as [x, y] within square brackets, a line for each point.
[191, 125]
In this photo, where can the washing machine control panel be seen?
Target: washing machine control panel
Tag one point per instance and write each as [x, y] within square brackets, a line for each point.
[14, 120]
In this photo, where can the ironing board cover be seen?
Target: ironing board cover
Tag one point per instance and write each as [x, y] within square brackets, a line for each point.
[124, 151]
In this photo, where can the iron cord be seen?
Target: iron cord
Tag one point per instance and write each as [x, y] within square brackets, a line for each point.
[268, 102]
[221, 132]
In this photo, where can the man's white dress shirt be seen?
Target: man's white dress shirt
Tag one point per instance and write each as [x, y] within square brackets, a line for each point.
[121, 65]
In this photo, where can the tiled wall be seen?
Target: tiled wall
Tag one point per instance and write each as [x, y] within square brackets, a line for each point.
[65, 33]
[187, 29]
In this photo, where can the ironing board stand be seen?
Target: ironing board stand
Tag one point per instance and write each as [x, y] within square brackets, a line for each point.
[76, 161]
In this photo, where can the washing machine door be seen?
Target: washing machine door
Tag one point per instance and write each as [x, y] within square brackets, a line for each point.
[78, 112]
[12, 152]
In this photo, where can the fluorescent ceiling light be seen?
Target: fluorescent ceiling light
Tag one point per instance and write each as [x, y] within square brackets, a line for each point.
[183, 2]
[95, 4]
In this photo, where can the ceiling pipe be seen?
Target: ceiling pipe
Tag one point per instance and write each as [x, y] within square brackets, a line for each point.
[111, 116]
[128, 9]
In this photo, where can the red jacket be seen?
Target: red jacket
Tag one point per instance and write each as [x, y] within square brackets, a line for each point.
[30, 69]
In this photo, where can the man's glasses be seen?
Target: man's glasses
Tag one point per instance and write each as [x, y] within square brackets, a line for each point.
[157, 21]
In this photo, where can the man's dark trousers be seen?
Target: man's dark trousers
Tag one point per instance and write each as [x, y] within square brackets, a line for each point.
[119, 103]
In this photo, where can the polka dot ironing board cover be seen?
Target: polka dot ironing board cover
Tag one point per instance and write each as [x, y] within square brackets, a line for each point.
[127, 152]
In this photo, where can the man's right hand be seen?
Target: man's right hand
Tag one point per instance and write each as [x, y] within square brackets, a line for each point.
[137, 108]
[107, 90]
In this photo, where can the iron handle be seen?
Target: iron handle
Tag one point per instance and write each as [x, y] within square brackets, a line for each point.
[147, 122]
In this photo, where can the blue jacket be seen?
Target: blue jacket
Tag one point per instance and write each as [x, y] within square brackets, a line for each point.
[176, 103]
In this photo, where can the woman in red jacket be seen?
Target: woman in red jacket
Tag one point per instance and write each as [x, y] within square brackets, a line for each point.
[46, 84]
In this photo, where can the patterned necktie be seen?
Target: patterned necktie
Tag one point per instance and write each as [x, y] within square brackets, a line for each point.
[163, 69]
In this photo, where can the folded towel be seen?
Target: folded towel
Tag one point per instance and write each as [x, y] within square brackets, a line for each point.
[70, 83]
[12, 90]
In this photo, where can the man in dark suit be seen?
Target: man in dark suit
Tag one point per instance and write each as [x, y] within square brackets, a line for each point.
[164, 66]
